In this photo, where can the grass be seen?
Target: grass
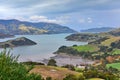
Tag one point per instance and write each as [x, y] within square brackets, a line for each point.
[95, 79]
[110, 40]
[115, 51]
[114, 65]
[86, 48]
[57, 73]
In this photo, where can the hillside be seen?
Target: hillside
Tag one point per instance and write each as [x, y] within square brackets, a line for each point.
[57, 73]
[21, 27]
[22, 41]
[115, 32]
[22, 71]
[104, 46]
[5, 35]
[98, 30]
[88, 37]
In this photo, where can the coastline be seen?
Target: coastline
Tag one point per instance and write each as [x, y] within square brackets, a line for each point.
[64, 59]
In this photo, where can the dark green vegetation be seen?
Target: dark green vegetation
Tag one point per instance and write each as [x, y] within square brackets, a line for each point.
[21, 27]
[103, 47]
[51, 62]
[98, 30]
[115, 32]
[22, 41]
[10, 69]
[88, 37]
[5, 35]
[84, 37]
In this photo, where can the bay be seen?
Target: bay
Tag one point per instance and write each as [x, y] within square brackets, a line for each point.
[46, 46]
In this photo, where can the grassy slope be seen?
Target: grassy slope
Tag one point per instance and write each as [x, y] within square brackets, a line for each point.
[95, 79]
[85, 48]
[116, 51]
[54, 72]
[114, 65]
[110, 40]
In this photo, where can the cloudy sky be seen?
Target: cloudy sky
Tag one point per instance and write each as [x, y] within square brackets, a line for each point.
[76, 14]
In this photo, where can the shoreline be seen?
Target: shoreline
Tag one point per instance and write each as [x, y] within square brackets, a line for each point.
[64, 59]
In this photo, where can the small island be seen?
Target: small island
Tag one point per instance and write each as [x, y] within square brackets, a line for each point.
[22, 41]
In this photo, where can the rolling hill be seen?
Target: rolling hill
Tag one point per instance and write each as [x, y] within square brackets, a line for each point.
[22, 27]
[5, 35]
[98, 30]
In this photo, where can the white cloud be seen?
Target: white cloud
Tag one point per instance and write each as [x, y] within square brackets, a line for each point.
[86, 20]
[39, 18]
[58, 20]
[89, 20]
[82, 20]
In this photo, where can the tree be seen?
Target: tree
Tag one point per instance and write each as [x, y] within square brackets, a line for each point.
[51, 62]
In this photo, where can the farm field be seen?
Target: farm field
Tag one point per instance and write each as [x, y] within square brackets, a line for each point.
[86, 48]
[114, 65]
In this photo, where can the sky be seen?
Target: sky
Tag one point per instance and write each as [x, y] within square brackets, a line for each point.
[76, 14]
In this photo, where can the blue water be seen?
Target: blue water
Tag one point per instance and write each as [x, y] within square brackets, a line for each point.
[46, 46]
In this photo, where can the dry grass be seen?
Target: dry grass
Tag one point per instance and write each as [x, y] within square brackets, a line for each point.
[54, 72]
[110, 40]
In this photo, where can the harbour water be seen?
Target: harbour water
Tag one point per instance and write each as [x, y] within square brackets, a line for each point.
[46, 46]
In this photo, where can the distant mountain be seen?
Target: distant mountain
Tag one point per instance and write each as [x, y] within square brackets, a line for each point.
[98, 30]
[115, 32]
[22, 27]
[97, 37]
[5, 35]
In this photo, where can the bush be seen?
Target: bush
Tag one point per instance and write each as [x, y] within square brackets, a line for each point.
[51, 62]
[70, 67]
[32, 63]
[10, 69]
[73, 77]
[48, 78]
[104, 75]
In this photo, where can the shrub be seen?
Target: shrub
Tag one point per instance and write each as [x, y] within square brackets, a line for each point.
[51, 62]
[10, 69]
[48, 78]
[69, 66]
[73, 77]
